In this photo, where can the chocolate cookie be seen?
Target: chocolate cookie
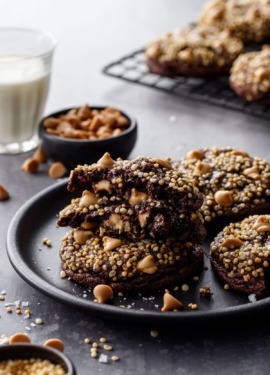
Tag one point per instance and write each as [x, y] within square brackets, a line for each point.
[250, 75]
[153, 179]
[194, 51]
[145, 219]
[240, 255]
[234, 184]
[128, 266]
[247, 20]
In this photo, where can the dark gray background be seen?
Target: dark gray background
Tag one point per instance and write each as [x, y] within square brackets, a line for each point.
[91, 34]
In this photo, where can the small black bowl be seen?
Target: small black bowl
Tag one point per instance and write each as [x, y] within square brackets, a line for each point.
[72, 152]
[27, 351]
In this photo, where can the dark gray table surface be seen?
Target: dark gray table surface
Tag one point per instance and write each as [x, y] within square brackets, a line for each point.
[91, 34]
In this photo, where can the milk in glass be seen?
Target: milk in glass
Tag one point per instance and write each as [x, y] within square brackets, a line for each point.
[24, 85]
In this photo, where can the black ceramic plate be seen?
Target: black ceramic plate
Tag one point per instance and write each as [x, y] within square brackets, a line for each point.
[40, 266]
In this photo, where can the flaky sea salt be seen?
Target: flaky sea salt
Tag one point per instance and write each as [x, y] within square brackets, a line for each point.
[252, 298]
[103, 358]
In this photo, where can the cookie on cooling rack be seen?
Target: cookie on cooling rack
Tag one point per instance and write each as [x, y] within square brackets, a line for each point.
[128, 266]
[194, 51]
[240, 255]
[234, 184]
[250, 75]
[247, 20]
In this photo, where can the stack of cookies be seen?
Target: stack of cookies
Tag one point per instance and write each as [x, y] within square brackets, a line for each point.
[136, 225]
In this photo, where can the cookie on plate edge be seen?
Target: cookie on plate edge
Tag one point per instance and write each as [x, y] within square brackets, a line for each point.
[240, 255]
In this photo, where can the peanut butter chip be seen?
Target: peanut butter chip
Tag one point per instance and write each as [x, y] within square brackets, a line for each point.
[224, 198]
[143, 218]
[195, 154]
[19, 337]
[3, 193]
[162, 163]
[81, 236]
[170, 303]
[57, 170]
[137, 197]
[147, 265]
[111, 243]
[30, 165]
[116, 222]
[202, 168]
[106, 161]
[232, 242]
[103, 293]
[87, 225]
[252, 172]
[261, 224]
[56, 344]
[103, 185]
[88, 199]
[39, 155]
[239, 153]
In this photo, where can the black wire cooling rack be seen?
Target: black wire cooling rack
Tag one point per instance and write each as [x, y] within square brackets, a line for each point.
[132, 68]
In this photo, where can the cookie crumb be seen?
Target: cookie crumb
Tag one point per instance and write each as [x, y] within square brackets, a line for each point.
[154, 333]
[205, 291]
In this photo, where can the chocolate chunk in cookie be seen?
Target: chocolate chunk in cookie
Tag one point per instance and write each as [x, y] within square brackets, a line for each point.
[240, 255]
[250, 75]
[247, 20]
[234, 184]
[194, 51]
[128, 266]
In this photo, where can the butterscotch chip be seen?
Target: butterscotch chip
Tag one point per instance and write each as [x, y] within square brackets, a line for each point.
[252, 172]
[19, 337]
[88, 198]
[261, 224]
[111, 243]
[103, 293]
[85, 112]
[147, 265]
[170, 303]
[4, 195]
[202, 168]
[137, 197]
[51, 122]
[232, 242]
[30, 165]
[224, 198]
[106, 161]
[57, 170]
[244, 268]
[56, 344]
[81, 236]
[195, 154]
[40, 155]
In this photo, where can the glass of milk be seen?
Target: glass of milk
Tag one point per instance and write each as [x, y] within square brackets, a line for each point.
[25, 66]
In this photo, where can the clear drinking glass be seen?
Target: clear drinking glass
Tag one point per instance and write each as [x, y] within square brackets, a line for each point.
[25, 67]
